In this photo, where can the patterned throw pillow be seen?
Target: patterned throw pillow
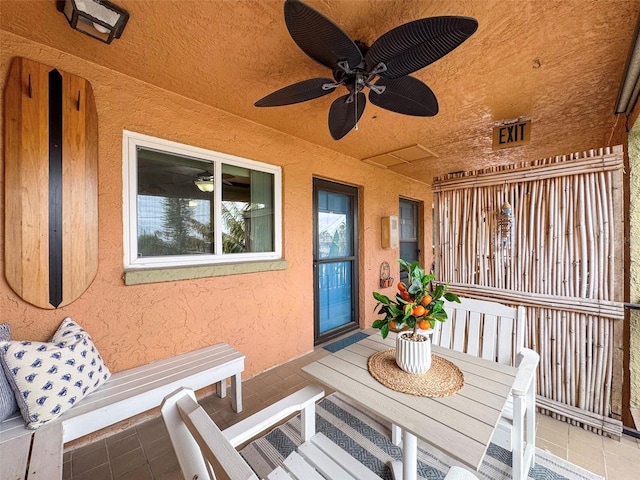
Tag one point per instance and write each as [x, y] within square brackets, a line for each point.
[51, 377]
[8, 403]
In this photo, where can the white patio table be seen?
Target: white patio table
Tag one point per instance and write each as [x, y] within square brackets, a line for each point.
[460, 425]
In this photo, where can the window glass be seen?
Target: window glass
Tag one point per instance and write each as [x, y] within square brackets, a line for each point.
[334, 238]
[247, 210]
[189, 206]
[174, 216]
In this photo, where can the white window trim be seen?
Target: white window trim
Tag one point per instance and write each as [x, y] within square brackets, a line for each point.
[131, 140]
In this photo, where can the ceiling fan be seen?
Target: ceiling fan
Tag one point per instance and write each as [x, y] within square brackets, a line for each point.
[384, 67]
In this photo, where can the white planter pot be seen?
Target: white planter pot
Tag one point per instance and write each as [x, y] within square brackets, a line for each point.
[414, 357]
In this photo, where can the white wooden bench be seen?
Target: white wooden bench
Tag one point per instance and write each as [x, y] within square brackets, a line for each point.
[35, 454]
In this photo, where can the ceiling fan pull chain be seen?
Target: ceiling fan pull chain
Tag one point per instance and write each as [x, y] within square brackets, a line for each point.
[356, 106]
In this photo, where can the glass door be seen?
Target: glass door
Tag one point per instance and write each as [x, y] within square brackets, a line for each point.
[409, 233]
[335, 264]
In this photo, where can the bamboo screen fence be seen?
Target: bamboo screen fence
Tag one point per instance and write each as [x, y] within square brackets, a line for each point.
[559, 253]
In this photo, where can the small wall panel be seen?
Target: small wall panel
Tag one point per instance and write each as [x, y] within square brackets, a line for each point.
[51, 184]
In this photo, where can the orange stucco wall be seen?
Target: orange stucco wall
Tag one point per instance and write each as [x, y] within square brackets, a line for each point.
[269, 315]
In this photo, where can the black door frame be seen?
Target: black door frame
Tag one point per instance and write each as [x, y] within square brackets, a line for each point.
[326, 185]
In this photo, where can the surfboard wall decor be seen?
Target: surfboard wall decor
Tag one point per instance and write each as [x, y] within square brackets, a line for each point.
[51, 184]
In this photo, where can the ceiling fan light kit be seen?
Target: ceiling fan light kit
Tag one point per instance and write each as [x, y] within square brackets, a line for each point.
[204, 182]
[383, 68]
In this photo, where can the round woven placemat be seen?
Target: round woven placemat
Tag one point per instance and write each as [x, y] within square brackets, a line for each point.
[441, 380]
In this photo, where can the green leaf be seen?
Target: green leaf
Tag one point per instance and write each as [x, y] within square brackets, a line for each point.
[452, 297]
[442, 316]
[439, 291]
[404, 265]
[438, 306]
[427, 279]
[384, 331]
[381, 298]
[379, 323]
[415, 287]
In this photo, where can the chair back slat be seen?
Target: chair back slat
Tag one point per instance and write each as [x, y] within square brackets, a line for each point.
[473, 333]
[435, 335]
[506, 340]
[459, 331]
[444, 339]
[483, 328]
[489, 341]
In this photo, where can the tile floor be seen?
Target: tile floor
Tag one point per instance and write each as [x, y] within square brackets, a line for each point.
[144, 451]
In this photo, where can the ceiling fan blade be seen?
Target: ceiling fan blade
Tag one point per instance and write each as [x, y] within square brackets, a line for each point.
[414, 45]
[319, 37]
[343, 115]
[406, 95]
[296, 93]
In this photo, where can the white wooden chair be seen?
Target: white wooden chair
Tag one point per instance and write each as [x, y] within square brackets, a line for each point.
[205, 452]
[203, 449]
[496, 332]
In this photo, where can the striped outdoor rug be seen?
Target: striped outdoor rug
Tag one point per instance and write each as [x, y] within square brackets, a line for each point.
[366, 438]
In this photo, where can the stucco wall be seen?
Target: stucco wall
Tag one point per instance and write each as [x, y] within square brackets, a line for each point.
[267, 315]
[634, 270]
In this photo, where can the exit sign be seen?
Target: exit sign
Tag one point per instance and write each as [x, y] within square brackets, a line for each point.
[512, 135]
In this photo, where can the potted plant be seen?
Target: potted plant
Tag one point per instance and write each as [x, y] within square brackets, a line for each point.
[417, 307]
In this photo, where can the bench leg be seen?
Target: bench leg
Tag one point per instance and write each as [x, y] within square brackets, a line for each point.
[221, 388]
[236, 393]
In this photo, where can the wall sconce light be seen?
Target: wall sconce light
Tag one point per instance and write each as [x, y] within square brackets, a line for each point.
[99, 19]
[205, 182]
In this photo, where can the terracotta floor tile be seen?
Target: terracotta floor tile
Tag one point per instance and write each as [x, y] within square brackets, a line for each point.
[552, 435]
[151, 431]
[84, 460]
[123, 446]
[101, 472]
[594, 463]
[128, 462]
[166, 466]
[153, 450]
[143, 472]
[557, 450]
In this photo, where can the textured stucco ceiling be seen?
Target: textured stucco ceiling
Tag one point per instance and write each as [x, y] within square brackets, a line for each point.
[558, 63]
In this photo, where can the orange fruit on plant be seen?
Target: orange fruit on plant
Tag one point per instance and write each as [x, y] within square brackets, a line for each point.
[402, 287]
[392, 325]
[427, 299]
[418, 311]
[424, 324]
[405, 295]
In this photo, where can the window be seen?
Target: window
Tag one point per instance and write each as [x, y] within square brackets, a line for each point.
[189, 206]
